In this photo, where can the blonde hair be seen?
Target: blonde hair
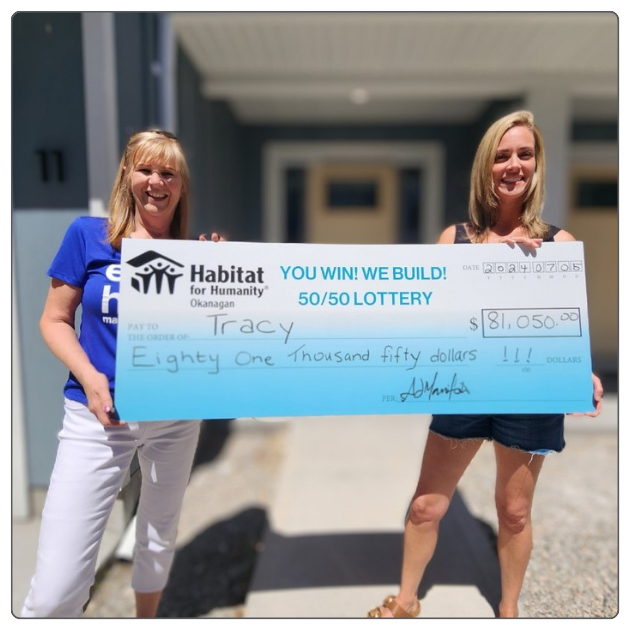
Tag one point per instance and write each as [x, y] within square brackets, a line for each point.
[483, 204]
[149, 146]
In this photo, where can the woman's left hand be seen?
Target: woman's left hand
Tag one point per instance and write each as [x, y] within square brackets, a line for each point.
[214, 237]
[598, 394]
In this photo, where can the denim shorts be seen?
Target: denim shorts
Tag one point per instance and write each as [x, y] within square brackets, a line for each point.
[534, 433]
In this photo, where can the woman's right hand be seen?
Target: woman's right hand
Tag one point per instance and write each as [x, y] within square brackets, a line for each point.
[100, 401]
[524, 241]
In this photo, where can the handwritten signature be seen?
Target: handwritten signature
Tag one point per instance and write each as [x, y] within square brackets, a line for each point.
[421, 387]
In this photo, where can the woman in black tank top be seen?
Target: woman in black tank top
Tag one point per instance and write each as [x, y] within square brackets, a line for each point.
[505, 206]
[462, 231]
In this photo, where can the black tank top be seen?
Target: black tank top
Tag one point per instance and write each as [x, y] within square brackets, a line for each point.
[461, 236]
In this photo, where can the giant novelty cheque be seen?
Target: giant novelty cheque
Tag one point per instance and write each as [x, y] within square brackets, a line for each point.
[226, 330]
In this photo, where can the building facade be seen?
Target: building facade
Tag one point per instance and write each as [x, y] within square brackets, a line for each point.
[82, 82]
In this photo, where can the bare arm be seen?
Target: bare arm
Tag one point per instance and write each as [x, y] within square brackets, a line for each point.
[57, 328]
[535, 243]
[448, 236]
[563, 235]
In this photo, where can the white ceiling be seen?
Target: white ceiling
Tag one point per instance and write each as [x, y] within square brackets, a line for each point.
[399, 67]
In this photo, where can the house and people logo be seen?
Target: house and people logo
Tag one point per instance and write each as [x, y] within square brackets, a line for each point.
[155, 272]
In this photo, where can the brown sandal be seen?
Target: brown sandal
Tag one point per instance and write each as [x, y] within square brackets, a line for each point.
[396, 609]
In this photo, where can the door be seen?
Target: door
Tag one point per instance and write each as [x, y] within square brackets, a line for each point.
[352, 203]
[593, 219]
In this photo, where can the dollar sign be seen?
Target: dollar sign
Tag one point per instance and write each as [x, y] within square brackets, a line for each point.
[473, 323]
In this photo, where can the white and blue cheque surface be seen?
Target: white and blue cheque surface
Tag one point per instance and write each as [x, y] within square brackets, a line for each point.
[237, 329]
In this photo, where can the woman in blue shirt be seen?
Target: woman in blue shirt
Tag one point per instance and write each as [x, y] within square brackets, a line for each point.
[149, 200]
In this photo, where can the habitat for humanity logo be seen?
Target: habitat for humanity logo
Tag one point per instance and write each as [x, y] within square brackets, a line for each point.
[154, 269]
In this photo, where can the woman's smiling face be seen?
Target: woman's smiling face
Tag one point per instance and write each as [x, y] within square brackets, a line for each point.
[514, 163]
[156, 189]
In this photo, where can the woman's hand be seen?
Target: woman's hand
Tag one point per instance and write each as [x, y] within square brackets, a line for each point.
[524, 241]
[214, 237]
[598, 394]
[100, 401]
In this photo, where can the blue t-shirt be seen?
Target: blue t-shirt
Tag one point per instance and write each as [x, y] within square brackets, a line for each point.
[86, 260]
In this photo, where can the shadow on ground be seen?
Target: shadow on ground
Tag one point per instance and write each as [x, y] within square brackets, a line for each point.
[214, 570]
[213, 437]
[465, 555]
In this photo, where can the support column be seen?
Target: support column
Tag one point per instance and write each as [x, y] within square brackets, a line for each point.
[99, 75]
[551, 107]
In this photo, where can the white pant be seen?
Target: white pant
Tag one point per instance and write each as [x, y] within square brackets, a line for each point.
[90, 467]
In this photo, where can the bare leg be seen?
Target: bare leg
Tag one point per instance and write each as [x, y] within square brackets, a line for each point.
[147, 603]
[443, 463]
[517, 473]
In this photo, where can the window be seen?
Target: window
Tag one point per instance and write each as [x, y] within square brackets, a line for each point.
[597, 193]
[348, 194]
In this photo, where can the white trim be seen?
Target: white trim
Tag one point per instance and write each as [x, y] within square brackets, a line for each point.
[427, 156]
[101, 112]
